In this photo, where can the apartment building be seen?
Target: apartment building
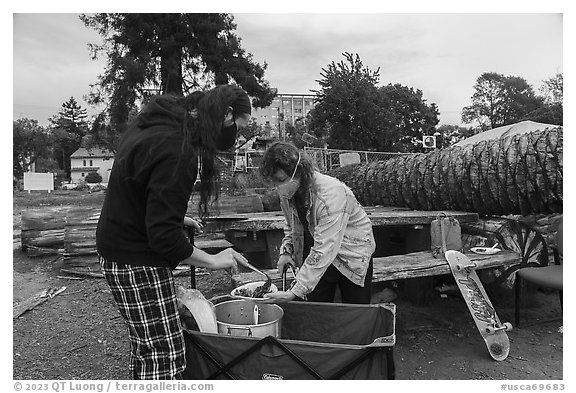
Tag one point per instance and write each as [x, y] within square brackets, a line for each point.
[285, 109]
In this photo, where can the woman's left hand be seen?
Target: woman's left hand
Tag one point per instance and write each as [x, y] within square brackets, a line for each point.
[280, 297]
[197, 225]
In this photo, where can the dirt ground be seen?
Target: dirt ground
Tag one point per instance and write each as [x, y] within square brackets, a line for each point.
[79, 334]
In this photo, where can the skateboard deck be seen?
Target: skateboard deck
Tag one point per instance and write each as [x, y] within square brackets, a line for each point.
[491, 329]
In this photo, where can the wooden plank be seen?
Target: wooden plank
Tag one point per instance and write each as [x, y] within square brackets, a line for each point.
[400, 267]
[423, 264]
[35, 301]
[380, 216]
[212, 244]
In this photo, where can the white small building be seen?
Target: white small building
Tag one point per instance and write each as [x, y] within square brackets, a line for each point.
[84, 161]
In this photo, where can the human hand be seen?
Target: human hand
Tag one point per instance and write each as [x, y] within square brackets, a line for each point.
[280, 297]
[196, 224]
[228, 259]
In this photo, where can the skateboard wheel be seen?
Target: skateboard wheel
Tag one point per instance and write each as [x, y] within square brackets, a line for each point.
[507, 326]
[459, 267]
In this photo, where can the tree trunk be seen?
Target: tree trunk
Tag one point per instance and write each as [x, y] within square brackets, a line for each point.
[522, 174]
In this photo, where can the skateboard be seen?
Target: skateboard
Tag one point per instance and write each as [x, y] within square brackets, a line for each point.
[491, 329]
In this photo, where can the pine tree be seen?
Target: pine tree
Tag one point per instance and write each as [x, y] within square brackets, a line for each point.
[68, 128]
[169, 53]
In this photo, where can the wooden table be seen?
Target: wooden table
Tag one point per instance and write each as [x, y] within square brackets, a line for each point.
[399, 267]
[259, 235]
[380, 216]
[402, 246]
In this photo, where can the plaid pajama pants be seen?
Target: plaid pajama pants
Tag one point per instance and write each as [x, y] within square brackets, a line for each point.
[146, 298]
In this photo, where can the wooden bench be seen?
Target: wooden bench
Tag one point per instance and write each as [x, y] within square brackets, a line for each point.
[399, 267]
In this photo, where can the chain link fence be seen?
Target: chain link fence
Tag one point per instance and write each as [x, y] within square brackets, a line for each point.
[329, 159]
[325, 159]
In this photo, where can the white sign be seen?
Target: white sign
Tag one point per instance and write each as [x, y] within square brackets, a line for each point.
[38, 181]
[349, 158]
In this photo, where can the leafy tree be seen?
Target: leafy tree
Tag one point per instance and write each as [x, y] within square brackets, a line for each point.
[346, 105]
[549, 113]
[31, 143]
[553, 89]
[499, 100]
[168, 53]
[552, 94]
[351, 112]
[101, 134]
[68, 128]
[299, 134]
[406, 118]
[451, 134]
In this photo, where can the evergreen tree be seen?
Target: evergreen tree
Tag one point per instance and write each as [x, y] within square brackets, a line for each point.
[168, 53]
[68, 128]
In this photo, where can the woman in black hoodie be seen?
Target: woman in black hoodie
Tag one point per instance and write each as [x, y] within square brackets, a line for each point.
[140, 235]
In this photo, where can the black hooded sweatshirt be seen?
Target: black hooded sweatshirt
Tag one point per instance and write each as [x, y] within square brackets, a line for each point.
[151, 182]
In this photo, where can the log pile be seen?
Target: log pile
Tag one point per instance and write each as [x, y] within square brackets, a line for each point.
[71, 231]
[522, 175]
[42, 231]
[80, 232]
[66, 231]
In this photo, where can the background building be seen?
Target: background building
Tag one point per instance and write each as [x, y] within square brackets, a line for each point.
[286, 108]
[84, 161]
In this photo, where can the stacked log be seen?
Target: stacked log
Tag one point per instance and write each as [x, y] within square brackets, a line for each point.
[71, 231]
[522, 175]
[80, 232]
[42, 231]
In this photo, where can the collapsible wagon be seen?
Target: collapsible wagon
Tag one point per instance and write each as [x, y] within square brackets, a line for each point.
[316, 341]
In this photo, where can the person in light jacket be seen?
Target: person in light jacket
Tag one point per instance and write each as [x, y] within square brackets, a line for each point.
[327, 234]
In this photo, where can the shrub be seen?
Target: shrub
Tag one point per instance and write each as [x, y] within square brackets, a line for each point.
[93, 177]
[82, 186]
[97, 187]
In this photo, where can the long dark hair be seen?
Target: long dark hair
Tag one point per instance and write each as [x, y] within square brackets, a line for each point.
[284, 155]
[203, 114]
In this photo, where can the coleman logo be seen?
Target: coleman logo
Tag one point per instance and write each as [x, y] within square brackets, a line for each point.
[271, 376]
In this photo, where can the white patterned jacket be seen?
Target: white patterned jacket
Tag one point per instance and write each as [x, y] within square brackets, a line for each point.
[342, 234]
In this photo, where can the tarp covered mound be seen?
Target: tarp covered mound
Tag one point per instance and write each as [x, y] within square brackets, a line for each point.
[522, 127]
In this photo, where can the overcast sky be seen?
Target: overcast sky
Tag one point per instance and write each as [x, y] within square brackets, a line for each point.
[441, 54]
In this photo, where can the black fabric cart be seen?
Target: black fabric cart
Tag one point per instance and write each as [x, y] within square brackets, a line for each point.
[317, 341]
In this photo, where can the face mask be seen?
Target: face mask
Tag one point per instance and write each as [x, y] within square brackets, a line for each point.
[288, 189]
[227, 137]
